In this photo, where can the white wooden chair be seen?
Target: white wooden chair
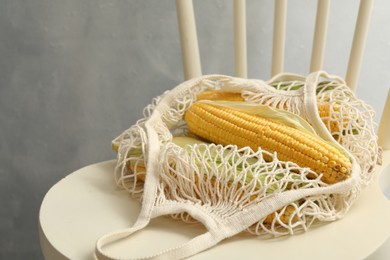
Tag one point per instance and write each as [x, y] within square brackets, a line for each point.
[86, 204]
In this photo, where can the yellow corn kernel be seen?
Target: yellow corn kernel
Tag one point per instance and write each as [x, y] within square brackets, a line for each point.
[219, 95]
[323, 108]
[331, 120]
[285, 217]
[224, 125]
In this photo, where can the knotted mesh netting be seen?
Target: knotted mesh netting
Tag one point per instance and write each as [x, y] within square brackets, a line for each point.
[223, 181]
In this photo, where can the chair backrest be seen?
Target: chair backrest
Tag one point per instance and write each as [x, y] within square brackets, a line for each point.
[191, 57]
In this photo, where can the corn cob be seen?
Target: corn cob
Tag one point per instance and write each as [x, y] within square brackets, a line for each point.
[323, 108]
[284, 217]
[132, 166]
[140, 169]
[219, 95]
[224, 125]
[328, 119]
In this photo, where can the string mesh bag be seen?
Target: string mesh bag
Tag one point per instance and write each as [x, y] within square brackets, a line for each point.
[230, 188]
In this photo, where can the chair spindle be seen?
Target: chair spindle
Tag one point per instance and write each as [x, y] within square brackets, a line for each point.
[358, 43]
[319, 40]
[384, 126]
[279, 36]
[188, 39]
[240, 45]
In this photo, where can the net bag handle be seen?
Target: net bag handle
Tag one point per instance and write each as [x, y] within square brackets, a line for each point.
[195, 245]
[310, 103]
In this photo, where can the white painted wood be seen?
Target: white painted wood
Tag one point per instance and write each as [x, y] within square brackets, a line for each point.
[358, 44]
[87, 204]
[384, 126]
[240, 44]
[319, 41]
[279, 36]
[189, 39]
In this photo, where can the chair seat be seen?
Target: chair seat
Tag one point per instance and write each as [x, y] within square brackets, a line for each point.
[87, 204]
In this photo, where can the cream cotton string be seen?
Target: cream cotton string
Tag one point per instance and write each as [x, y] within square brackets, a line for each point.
[230, 190]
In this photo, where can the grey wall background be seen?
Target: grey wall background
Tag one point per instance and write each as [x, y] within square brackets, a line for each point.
[75, 74]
